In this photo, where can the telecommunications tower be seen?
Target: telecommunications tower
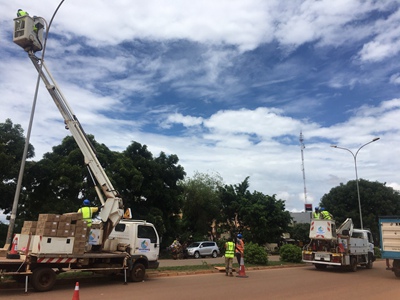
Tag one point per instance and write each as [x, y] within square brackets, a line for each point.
[306, 205]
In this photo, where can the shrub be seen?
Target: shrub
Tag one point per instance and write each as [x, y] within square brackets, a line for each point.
[377, 252]
[290, 253]
[255, 254]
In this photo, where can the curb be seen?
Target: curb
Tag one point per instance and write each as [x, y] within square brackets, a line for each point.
[155, 274]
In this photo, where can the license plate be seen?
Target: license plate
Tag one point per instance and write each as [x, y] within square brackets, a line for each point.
[322, 256]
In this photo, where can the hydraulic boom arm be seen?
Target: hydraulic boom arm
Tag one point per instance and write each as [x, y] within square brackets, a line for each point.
[112, 210]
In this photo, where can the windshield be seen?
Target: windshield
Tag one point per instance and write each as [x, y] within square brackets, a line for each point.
[193, 245]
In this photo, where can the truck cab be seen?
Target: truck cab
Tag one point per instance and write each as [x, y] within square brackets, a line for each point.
[138, 238]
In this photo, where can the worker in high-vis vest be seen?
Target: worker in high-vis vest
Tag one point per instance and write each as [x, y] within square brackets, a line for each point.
[325, 214]
[316, 213]
[21, 13]
[239, 248]
[87, 212]
[229, 255]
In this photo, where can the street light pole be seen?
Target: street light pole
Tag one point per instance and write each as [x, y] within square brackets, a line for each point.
[25, 152]
[355, 167]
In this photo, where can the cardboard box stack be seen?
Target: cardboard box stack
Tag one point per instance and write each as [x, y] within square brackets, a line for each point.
[66, 225]
[29, 227]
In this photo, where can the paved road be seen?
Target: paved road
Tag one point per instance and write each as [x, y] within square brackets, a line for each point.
[280, 283]
[201, 261]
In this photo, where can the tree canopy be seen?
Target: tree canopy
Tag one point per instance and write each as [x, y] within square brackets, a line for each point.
[261, 218]
[377, 199]
[154, 187]
[12, 142]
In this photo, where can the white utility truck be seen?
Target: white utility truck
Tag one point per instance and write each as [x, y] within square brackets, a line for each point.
[60, 243]
[342, 247]
[389, 229]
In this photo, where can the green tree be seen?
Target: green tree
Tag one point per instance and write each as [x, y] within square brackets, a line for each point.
[260, 217]
[377, 199]
[12, 143]
[158, 196]
[300, 232]
[201, 203]
[264, 218]
[60, 181]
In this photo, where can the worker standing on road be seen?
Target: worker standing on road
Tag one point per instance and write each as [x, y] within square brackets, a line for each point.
[87, 212]
[229, 255]
[239, 248]
[316, 213]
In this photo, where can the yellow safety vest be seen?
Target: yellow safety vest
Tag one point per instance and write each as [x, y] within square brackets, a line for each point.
[326, 215]
[21, 13]
[230, 250]
[316, 215]
[87, 215]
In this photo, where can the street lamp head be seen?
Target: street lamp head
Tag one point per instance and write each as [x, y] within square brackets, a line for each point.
[375, 139]
[333, 146]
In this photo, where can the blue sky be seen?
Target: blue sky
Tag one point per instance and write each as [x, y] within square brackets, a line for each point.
[225, 85]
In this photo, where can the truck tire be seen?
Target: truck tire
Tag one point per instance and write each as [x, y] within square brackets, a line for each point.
[320, 266]
[396, 267]
[138, 273]
[370, 261]
[353, 264]
[43, 279]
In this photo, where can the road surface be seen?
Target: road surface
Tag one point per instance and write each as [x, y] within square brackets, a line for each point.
[279, 283]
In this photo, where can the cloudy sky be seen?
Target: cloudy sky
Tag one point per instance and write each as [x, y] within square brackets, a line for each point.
[226, 85]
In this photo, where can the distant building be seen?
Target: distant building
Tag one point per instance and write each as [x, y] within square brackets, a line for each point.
[301, 217]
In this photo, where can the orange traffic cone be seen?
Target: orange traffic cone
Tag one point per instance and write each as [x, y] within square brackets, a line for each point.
[14, 246]
[242, 271]
[76, 292]
[13, 254]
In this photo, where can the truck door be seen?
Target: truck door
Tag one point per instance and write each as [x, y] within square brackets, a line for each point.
[147, 242]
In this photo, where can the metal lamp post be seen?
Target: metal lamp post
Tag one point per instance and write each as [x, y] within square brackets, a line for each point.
[355, 167]
[25, 152]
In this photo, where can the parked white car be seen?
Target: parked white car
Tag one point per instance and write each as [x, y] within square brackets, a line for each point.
[201, 249]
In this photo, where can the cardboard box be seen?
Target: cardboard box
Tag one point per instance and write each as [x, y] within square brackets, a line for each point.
[28, 230]
[81, 230]
[81, 223]
[65, 218]
[48, 217]
[74, 217]
[64, 225]
[46, 231]
[30, 224]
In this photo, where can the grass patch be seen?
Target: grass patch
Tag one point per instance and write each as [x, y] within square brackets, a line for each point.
[206, 266]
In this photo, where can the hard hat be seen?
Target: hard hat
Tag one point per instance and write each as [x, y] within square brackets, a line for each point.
[86, 202]
[321, 209]
[316, 208]
[239, 236]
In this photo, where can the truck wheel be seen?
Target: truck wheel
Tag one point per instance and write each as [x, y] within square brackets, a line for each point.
[137, 273]
[396, 267]
[370, 262]
[353, 264]
[43, 279]
[320, 266]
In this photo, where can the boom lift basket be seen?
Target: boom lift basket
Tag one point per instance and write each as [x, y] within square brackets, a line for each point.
[25, 35]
